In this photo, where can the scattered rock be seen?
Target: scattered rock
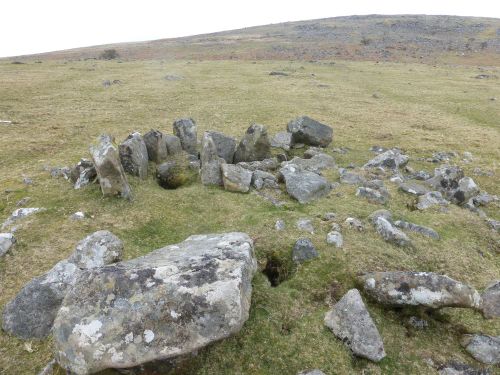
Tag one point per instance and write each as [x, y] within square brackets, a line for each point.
[390, 233]
[390, 159]
[418, 323]
[419, 289]
[78, 216]
[261, 179]
[380, 213]
[211, 171]
[254, 145]
[168, 303]
[303, 250]
[354, 223]
[310, 132]
[109, 168]
[57, 172]
[335, 238]
[173, 143]
[83, 173]
[20, 214]
[7, 240]
[236, 178]
[490, 301]
[304, 186]
[351, 322]
[156, 146]
[282, 140]
[31, 313]
[424, 231]
[351, 177]
[305, 225]
[279, 225]
[430, 199]
[413, 188]
[484, 348]
[134, 155]
[329, 216]
[226, 146]
[380, 196]
[187, 132]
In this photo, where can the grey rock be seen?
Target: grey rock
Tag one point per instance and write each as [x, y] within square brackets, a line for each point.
[380, 196]
[329, 216]
[57, 172]
[310, 132]
[109, 169]
[494, 224]
[336, 227]
[305, 225]
[173, 143]
[413, 188]
[354, 223]
[351, 322]
[424, 231]
[261, 179]
[311, 372]
[134, 155]
[304, 186]
[77, 216]
[303, 250]
[426, 289]
[170, 302]
[282, 140]
[236, 178]
[156, 145]
[428, 200]
[483, 199]
[19, 214]
[421, 175]
[316, 164]
[490, 301]
[378, 149]
[266, 165]
[83, 173]
[31, 313]
[335, 238]
[254, 145]
[226, 145]
[390, 233]
[279, 225]
[380, 213]
[484, 348]
[466, 189]
[351, 177]
[390, 159]
[446, 177]
[187, 132]
[211, 163]
[7, 240]
[443, 156]
[457, 368]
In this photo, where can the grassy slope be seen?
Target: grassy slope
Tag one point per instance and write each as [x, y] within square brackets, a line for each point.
[61, 107]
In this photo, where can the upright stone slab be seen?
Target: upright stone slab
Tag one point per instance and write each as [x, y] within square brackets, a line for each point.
[174, 146]
[134, 155]
[226, 145]
[187, 132]
[156, 145]
[109, 168]
[170, 302]
[211, 172]
[254, 145]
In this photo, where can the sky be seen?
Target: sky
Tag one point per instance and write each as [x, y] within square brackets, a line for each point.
[32, 26]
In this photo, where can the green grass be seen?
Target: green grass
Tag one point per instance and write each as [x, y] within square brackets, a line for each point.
[59, 108]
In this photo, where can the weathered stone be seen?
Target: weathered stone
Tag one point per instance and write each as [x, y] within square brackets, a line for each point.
[170, 302]
[484, 348]
[266, 165]
[380, 196]
[187, 132]
[446, 177]
[421, 175]
[109, 168]
[466, 189]
[305, 225]
[282, 140]
[380, 213]
[351, 322]
[31, 313]
[391, 234]
[211, 171]
[419, 289]
[156, 145]
[494, 224]
[304, 186]
[315, 164]
[490, 301]
[261, 179]
[303, 250]
[433, 198]
[77, 216]
[134, 155]
[83, 173]
[7, 240]
[351, 177]
[279, 225]
[310, 132]
[226, 145]
[483, 199]
[354, 223]
[413, 188]
[236, 178]
[254, 145]
[173, 144]
[425, 231]
[335, 238]
[329, 216]
[390, 159]
[57, 172]
[19, 214]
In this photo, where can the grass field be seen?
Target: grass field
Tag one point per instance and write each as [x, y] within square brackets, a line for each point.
[59, 108]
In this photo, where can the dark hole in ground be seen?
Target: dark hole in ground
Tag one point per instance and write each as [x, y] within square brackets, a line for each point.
[275, 270]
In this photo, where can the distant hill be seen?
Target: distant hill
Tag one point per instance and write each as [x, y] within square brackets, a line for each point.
[430, 39]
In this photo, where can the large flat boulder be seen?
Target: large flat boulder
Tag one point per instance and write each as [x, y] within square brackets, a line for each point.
[426, 289]
[173, 301]
[310, 132]
[31, 313]
[187, 131]
[134, 155]
[109, 168]
[254, 145]
[302, 185]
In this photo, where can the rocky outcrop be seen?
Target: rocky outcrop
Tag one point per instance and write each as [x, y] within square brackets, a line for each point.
[187, 132]
[310, 132]
[134, 155]
[236, 178]
[156, 145]
[109, 168]
[211, 163]
[31, 313]
[350, 322]
[426, 289]
[254, 145]
[302, 185]
[171, 302]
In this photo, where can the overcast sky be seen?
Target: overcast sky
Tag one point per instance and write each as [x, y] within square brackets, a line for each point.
[31, 26]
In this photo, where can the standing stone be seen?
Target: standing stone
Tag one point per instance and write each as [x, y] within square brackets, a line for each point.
[303, 250]
[6, 242]
[419, 289]
[490, 301]
[484, 348]
[304, 186]
[134, 155]
[31, 313]
[109, 168]
[186, 130]
[310, 132]
[226, 146]
[156, 145]
[170, 302]
[254, 145]
[351, 322]
[236, 178]
[211, 163]
[173, 143]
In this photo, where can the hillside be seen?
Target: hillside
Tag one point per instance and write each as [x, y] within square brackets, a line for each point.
[411, 38]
